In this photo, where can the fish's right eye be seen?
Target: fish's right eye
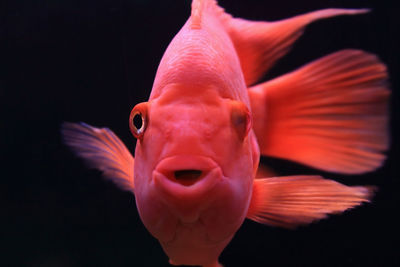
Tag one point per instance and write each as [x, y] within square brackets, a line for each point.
[138, 120]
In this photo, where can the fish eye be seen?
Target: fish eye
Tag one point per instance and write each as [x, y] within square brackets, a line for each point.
[138, 124]
[240, 119]
[138, 120]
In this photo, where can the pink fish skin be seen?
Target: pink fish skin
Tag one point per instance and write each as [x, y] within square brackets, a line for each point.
[201, 133]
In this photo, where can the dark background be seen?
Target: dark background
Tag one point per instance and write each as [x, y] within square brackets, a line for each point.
[92, 61]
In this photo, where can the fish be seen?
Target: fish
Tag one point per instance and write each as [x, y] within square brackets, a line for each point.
[196, 173]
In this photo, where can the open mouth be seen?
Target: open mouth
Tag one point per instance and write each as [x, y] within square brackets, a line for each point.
[187, 177]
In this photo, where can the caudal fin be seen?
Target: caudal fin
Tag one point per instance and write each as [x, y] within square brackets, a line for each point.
[331, 114]
[103, 150]
[297, 200]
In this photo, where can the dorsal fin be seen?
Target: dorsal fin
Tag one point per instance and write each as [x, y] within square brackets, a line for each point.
[260, 44]
[198, 8]
[197, 11]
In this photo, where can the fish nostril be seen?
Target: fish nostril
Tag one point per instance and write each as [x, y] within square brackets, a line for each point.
[187, 177]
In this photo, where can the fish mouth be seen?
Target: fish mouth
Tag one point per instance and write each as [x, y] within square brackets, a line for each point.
[188, 176]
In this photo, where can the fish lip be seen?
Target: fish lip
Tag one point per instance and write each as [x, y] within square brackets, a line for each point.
[180, 162]
[186, 162]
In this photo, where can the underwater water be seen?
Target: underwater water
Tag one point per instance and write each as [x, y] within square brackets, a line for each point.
[92, 61]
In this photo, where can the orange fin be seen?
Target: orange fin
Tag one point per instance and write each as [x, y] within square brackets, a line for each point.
[103, 150]
[297, 200]
[331, 114]
[260, 44]
[197, 12]
[199, 7]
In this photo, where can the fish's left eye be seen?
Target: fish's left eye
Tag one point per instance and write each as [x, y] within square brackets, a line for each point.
[240, 119]
[138, 120]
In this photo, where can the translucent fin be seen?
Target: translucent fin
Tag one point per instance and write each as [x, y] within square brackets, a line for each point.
[297, 200]
[103, 150]
[331, 114]
[260, 44]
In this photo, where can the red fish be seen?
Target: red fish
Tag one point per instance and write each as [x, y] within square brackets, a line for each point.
[206, 123]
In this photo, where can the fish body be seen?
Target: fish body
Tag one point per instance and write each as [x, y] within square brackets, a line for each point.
[201, 133]
[198, 84]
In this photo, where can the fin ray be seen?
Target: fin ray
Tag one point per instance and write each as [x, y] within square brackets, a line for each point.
[331, 114]
[260, 44]
[103, 150]
[298, 200]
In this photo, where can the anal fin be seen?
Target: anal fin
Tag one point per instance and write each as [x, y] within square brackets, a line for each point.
[298, 200]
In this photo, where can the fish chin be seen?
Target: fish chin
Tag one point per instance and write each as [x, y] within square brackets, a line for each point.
[209, 209]
[191, 245]
[191, 207]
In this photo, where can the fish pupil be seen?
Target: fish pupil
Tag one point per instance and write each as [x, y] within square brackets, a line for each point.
[138, 121]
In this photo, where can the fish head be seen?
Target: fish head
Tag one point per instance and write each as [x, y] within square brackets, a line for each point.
[195, 161]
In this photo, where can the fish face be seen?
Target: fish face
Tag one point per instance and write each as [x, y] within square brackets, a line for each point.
[193, 166]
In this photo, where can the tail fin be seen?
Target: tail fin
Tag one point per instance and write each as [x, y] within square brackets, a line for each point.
[331, 114]
[103, 150]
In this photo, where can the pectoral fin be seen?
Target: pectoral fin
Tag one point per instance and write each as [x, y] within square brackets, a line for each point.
[297, 200]
[103, 150]
[331, 114]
